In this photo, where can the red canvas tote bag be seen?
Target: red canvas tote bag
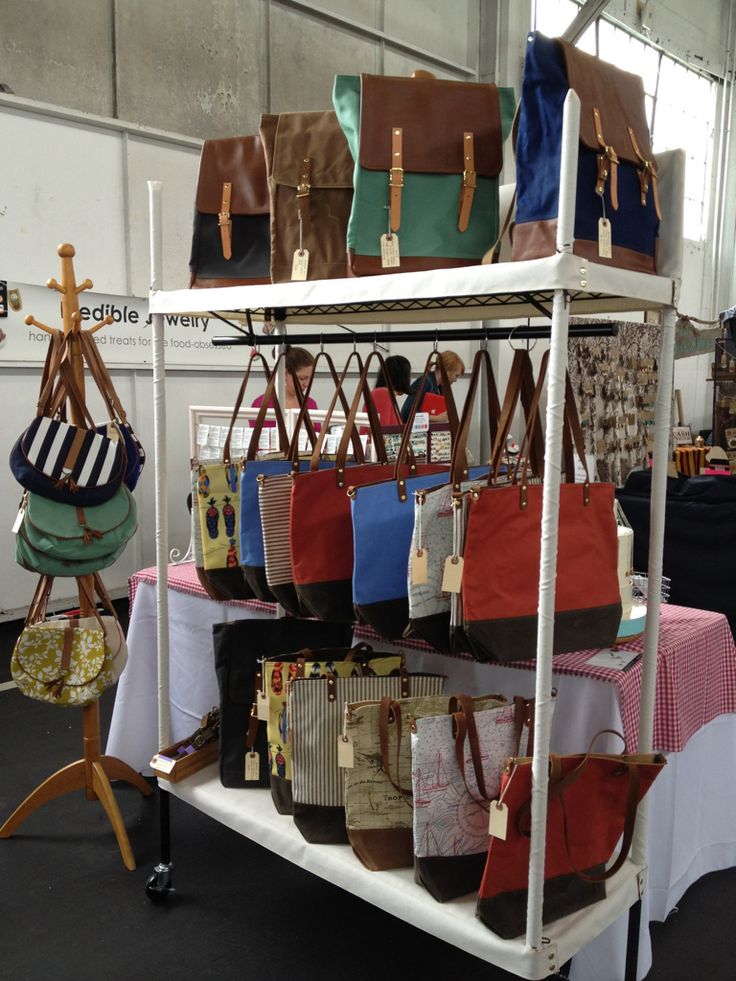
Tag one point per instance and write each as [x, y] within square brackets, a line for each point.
[592, 802]
[500, 583]
[321, 526]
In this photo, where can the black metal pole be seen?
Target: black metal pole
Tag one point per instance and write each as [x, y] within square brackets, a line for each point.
[632, 942]
[519, 333]
[159, 884]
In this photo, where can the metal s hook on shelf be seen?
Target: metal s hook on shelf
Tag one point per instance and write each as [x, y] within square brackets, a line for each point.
[529, 347]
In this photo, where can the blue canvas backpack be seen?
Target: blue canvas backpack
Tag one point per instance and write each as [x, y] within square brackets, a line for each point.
[617, 205]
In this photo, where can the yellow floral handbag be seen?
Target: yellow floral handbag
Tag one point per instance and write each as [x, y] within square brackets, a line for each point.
[67, 661]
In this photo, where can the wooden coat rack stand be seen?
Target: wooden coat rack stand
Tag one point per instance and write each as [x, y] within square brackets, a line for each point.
[93, 772]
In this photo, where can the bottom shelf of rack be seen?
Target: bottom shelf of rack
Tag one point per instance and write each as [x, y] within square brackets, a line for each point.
[251, 813]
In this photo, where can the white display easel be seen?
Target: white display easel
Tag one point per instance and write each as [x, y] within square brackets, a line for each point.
[573, 286]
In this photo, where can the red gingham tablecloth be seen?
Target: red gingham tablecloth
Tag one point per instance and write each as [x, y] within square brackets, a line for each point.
[696, 665]
[184, 579]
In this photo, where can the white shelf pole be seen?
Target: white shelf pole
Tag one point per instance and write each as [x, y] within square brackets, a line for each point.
[657, 506]
[159, 469]
[550, 508]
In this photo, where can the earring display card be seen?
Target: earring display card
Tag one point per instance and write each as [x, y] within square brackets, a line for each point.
[615, 381]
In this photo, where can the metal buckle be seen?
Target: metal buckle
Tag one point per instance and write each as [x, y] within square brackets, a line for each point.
[303, 189]
[223, 218]
[469, 178]
[392, 180]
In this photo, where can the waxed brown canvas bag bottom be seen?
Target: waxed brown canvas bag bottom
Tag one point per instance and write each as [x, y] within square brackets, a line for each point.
[515, 639]
[449, 877]
[255, 576]
[320, 825]
[505, 914]
[380, 849]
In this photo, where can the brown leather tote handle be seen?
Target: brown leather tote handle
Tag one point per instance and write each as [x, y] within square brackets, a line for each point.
[388, 708]
[269, 396]
[303, 417]
[459, 462]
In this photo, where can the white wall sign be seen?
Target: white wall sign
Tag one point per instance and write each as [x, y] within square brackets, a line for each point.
[124, 343]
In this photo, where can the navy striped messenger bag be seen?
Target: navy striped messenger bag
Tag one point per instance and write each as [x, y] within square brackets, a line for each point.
[71, 464]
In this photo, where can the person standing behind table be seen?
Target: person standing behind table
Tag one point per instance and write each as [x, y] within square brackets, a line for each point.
[454, 368]
[398, 369]
[299, 362]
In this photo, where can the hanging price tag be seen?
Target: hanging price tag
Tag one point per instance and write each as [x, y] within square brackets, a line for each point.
[300, 264]
[453, 574]
[390, 257]
[498, 818]
[262, 706]
[252, 763]
[604, 238]
[419, 566]
[345, 752]
[18, 521]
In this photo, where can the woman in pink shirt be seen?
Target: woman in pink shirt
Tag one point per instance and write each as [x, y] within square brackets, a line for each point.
[299, 362]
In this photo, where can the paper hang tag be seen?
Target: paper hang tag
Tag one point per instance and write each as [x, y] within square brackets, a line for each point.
[345, 752]
[390, 257]
[300, 264]
[498, 817]
[419, 566]
[252, 765]
[18, 520]
[453, 575]
[604, 238]
[262, 706]
[162, 763]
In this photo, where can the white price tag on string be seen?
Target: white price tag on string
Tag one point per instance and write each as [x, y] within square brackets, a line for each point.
[345, 752]
[300, 265]
[453, 574]
[604, 238]
[390, 258]
[419, 566]
[252, 766]
[498, 818]
[262, 706]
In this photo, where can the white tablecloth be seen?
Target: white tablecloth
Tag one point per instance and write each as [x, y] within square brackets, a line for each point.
[691, 805]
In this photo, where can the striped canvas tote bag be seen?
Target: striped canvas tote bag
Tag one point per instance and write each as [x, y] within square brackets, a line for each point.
[274, 501]
[316, 709]
[277, 676]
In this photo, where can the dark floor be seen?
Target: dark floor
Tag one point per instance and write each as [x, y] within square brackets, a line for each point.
[69, 910]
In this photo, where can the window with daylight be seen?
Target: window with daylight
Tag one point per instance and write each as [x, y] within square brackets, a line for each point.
[679, 100]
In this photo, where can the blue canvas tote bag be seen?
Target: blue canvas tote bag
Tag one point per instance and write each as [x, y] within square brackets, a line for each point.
[617, 205]
[383, 521]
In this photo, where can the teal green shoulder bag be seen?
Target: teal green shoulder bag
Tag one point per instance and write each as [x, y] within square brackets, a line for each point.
[57, 539]
[428, 154]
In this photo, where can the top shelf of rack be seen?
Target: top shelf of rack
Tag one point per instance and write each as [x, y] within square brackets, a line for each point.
[493, 292]
[508, 289]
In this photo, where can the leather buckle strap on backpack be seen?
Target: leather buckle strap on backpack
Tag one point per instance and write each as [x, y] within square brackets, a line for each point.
[648, 172]
[223, 220]
[469, 183]
[303, 190]
[607, 164]
[396, 177]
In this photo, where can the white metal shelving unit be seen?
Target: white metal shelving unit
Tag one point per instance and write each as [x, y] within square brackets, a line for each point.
[568, 285]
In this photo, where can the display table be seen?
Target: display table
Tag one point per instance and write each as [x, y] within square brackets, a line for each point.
[691, 804]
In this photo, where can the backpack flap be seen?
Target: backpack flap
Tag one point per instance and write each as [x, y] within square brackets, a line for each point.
[613, 121]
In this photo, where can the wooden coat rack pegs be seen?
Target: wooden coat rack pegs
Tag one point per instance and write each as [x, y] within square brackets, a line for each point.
[93, 772]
